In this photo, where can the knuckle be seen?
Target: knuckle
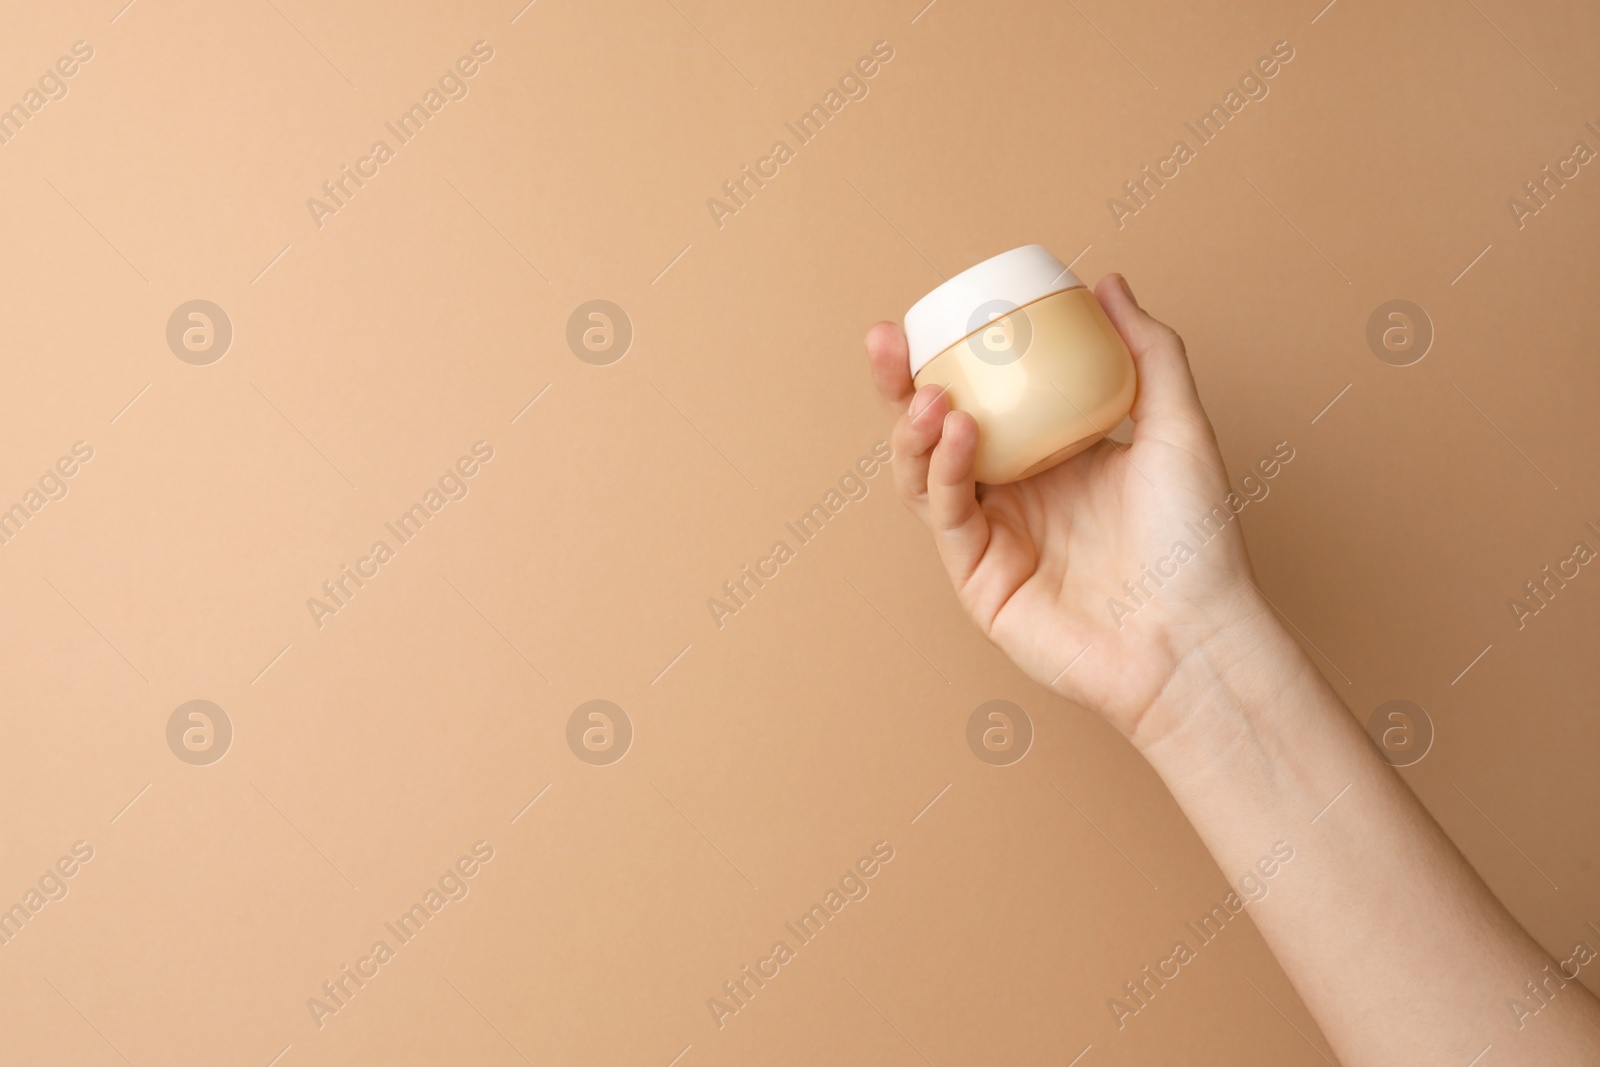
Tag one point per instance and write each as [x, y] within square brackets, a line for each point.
[1168, 337]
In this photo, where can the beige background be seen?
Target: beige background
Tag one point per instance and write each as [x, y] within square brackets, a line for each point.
[770, 754]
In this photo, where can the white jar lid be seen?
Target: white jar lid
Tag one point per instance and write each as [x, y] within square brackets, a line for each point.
[978, 295]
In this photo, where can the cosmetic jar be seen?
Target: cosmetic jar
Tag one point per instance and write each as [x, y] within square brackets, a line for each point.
[1024, 347]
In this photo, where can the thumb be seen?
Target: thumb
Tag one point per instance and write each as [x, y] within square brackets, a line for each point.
[1167, 395]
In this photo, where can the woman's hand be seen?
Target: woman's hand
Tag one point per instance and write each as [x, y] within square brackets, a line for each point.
[1043, 564]
[1251, 739]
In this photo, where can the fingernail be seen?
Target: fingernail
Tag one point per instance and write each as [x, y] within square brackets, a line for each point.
[1126, 291]
[924, 399]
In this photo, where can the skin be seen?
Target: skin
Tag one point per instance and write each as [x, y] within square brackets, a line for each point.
[1394, 944]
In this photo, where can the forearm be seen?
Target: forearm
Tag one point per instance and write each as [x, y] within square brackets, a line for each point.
[1395, 945]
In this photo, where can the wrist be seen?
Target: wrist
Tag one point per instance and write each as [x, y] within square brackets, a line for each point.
[1247, 716]
[1219, 680]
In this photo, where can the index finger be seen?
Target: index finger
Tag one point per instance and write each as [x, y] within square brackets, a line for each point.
[891, 365]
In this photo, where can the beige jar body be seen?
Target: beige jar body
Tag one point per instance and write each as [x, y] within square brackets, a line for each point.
[1044, 382]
